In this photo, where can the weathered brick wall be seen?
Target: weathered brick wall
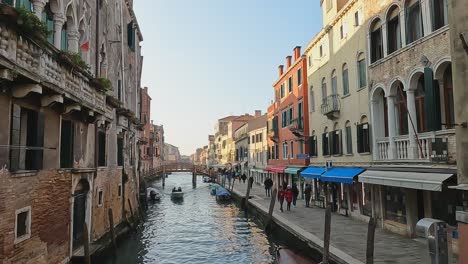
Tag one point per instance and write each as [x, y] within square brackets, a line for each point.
[48, 194]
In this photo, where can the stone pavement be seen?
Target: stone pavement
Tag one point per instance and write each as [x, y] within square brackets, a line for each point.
[348, 236]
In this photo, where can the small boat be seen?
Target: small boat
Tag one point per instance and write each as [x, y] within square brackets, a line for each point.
[287, 256]
[154, 196]
[177, 193]
[206, 179]
[213, 188]
[222, 194]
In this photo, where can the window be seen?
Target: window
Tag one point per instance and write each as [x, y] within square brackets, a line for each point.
[402, 114]
[292, 149]
[321, 51]
[131, 36]
[282, 91]
[48, 19]
[300, 143]
[349, 138]
[414, 26]
[299, 77]
[66, 144]
[313, 146]
[335, 142]
[285, 150]
[394, 32]
[343, 31]
[284, 118]
[27, 139]
[257, 138]
[334, 83]
[101, 148]
[419, 102]
[376, 41]
[309, 59]
[26, 4]
[324, 89]
[356, 18]
[448, 98]
[64, 38]
[439, 14]
[312, 100]
[23, 224]
[362, 71]
[277, 151]
[260, 137]
[290, 84]
[119, 191]
[300, 122]
[290, 115]
[363, 139]
[345, 80]
[325, 144]
[395, 204]
[119, 90]
[100, 197]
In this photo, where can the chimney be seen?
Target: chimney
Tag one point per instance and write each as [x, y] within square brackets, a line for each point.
[258, 113]
[280, 70]
[288, 62]
[297, 52]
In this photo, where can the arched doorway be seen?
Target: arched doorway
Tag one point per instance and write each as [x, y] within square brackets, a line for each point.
[79, 211]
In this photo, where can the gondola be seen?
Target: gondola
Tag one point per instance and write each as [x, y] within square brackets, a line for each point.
[222, 194]
[287, 256]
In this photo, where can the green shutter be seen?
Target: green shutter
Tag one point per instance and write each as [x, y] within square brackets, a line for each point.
[331, 143]
[15, 137]
[359, 138]
[324, 144]
[8, 2]
[131, 36]
[431, 101]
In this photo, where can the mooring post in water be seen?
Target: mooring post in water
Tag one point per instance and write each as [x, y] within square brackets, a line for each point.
[87, 256]
[326, 236]
[370, 241]
[247, 194]
[131, 209]
[270, 210]
[194, 178]
[112, 233]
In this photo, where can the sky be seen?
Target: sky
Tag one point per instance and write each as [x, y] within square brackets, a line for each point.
[206, 59]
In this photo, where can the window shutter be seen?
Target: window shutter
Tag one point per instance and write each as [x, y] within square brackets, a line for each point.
[39, 140]
[340, 142]
[429, 98]
[331, 143]
[8, 2]
[359, 138]
[131, 36]
[324, 144]
[15, 134]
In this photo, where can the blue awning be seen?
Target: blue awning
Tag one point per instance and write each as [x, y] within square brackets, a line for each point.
[312, 172]
[341, 175]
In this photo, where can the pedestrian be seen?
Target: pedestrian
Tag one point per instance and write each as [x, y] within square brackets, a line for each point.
[288, 195]
[270, 185]
[307, 193]
[281, 198]
[243, 177]
[265, 183]
[285, 185]
[251, 180]
[295, 192]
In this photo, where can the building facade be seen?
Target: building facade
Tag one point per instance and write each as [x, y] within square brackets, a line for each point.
[145, 149]
[157, 145]
[241, 141]
[288, 128]
[56, 181]
[171, 153]
[258, 149]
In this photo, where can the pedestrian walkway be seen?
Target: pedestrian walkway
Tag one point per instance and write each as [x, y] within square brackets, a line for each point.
[348, 236]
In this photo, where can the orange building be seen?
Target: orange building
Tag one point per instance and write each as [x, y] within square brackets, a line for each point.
[288, 128]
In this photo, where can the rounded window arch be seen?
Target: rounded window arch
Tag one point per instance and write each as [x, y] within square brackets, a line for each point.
[345, 78]
[376, 40]
[362, 71]
[393, 29]
[348, 138]
[414, 20]
[334, 82]
[324, 88]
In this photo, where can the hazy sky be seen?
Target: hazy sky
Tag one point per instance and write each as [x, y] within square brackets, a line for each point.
[205, 59]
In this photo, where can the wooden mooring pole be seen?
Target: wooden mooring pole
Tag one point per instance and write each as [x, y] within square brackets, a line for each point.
[247, 195]
[131, 210]
[326, 235]
[370, 241]
[270, 210]
[87, 255]
[112, 232]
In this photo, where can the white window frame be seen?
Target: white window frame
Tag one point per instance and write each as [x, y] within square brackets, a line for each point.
[285, 150]
[28, 225]
[100, 201]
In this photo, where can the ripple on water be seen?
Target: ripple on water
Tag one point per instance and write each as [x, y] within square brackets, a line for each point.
[196, 230]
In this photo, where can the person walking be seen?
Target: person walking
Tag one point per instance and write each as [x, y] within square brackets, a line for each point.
[289, 197]
[268, 184]
[281, 198]
[307, 193]
[265, 184]
[243, 177]
[295, 192]
[251, 181]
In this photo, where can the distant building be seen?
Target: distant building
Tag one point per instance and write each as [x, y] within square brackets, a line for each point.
[258, 148]
[172, 154]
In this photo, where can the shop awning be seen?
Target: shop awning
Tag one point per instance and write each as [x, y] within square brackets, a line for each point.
[293, 170]
[341, 175]
[312, 172]
[257, 170]
[406, 179]
[279, 169]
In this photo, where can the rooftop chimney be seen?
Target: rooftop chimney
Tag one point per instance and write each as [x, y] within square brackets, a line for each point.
[288, 62]
[280, 70]
[258, 113]
[297, 52]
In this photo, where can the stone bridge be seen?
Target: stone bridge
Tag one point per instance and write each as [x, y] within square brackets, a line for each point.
[171, 167]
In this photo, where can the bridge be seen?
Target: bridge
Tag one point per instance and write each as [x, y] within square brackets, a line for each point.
[170, 167]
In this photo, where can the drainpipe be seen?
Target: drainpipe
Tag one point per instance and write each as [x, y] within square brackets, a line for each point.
[97, 40]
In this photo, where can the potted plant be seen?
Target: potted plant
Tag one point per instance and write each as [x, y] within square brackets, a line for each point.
[102, 84]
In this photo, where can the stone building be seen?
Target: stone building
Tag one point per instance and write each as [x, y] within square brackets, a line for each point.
[157, 145]
[241, 142]
[258, 148]
[145, 150]
[82, 82]
[211, 152]
[171, 153]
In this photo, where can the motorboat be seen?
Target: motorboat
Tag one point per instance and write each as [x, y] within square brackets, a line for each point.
[177, 193]
[287, 256]
[153, 194]
[206, 179]
[222, 194]
[213, 188]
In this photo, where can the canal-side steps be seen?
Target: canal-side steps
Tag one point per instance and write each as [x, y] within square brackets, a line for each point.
[348, 236]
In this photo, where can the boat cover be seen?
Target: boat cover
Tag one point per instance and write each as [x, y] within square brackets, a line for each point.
[220, 191]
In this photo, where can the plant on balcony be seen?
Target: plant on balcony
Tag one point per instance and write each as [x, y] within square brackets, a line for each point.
[112, 101]
[102, 84]
[74, 59]
[26, 21]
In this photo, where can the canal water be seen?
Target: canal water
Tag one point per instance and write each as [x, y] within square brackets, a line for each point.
[195, 230]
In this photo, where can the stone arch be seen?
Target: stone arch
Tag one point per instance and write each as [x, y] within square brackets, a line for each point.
[56, 6]
[393, 84]
[376, 88]
[70, 16]
[363, 119]
[372, 22]
[413, 78]
[336, 126]
[391, 7]
[440, 66]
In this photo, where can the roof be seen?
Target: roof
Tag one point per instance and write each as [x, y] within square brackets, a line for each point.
[228, 118]
[258, 122]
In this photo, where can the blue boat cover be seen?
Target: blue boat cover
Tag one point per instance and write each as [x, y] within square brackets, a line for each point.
[220, 191]
[341, 175]
[312, 172]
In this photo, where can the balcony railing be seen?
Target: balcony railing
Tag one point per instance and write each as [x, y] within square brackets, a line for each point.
[273, 134]
[297, 127]
[41, 61]
[432, 146]
[331, 106]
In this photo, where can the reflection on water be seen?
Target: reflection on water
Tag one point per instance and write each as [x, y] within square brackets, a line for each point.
[196, 229]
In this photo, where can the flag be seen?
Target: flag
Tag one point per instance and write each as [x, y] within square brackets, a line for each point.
[85, 46]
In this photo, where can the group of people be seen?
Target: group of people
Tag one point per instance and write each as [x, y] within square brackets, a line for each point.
[176, 190]
[290, 194]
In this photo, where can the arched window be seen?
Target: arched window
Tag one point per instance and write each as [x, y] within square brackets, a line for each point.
[26, 4]
[313, 144]
[64, 38]
[419, 102]
[324, 89]
[345, 79]
[414, 24]
[48, 19]
[448, 98]
[334, 82]
[393, 29]
[361, 65]
[376, 41]
[439, 13]
[348, 138]
[400, 107]
[312, 99]
[363, 135]
[325, 143]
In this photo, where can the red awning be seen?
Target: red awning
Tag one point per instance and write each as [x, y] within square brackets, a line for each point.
[276, 168]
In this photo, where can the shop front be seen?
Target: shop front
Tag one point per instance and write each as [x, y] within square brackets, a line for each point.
[279, 175]
[311, 175]
[293, 173]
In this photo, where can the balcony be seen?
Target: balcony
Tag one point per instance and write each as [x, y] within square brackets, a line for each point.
[297, 127]
[331, 106]
[26, 61]
[142, 141]
[435, 147]
[273, 135]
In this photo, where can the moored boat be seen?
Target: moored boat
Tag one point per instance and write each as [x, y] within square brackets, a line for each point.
[222, 194]
[287, 256]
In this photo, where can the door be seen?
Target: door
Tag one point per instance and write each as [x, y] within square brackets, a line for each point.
[79, 217]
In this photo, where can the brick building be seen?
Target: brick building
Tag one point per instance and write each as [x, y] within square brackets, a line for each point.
[288, 128]
[68, 147]
[145, 150]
